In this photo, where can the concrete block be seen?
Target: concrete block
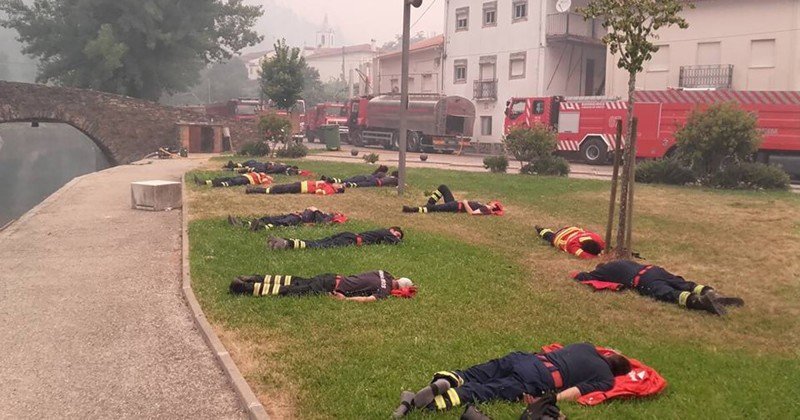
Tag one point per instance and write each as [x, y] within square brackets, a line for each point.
[155, 195]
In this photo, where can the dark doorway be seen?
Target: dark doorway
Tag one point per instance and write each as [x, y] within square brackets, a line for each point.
[207, 140]
[589, 85]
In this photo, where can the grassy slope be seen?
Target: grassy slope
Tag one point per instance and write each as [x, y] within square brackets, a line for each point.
[489, 286]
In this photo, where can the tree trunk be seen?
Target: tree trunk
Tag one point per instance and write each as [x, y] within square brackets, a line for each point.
[612, 204]
[621, 250]
[632, 180]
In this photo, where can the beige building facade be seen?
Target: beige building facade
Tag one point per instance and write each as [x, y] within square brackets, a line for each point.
[730, 44]
[424, 68]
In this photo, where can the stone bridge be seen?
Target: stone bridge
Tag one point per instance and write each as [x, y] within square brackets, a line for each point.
[125, 129]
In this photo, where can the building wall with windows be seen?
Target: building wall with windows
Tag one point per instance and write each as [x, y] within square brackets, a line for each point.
[424, 68]
[733, 44]
[496, 50]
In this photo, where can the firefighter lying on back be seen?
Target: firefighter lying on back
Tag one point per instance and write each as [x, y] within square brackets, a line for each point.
[572, 371]
[266, 167]
[310, 215]
[302, 187]
[364, 287]
[452, 206]
[377, 178]
[249, 179]
[574, 240]
[658, 283]
[391, 236]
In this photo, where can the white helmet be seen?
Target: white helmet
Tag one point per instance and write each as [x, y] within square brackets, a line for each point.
[404, 282]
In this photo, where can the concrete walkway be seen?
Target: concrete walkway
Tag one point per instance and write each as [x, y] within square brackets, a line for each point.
[92, 320]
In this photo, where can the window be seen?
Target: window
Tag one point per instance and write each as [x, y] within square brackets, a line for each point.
[516, 66]
[708, 53]
[486, 126]
[762, 53]
[520, 10]
[487, 67]
[660, 60]
[462, 19]
[490, 14]
[427, 83]
[568, 122]
[538, 107]
[395, 85]
[517, 108]
[460, 71]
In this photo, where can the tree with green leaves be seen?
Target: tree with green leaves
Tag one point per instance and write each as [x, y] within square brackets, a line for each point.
[282, 75]
[631, 26]
[139, 48]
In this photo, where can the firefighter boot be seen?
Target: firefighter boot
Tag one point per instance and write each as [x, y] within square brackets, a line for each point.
[472, 413]
[705, 303]
[252, 189]
[406, 401]
[234, 221]
[277, 243]
[425, 396]
[434, 198]
[722, 300]
[239, 287]
[539, 230]
[409, 209]
[256, 225]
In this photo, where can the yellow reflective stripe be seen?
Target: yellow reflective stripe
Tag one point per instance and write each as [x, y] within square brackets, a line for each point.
[288, 280]
[584, 239]
[578, 252]
[267, 279]
[304, 187]
[257, 289]
[562, 236]
[683, 297]
[698, 289]
[455, 400]
[267, 284]
[302, 244]
[267, 191]
[439, 401]
[277, 286]
[250, 178]
[208, 182]
[544, 232]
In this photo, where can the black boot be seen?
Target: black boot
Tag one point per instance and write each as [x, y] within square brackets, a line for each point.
[472, 413]
[705, 303]
[724, 300]
[406, 404]
[256, 225]
[539, 230]
[409, 209]
[234, 221]
[239, 287]
[252, 189]
[425, 396]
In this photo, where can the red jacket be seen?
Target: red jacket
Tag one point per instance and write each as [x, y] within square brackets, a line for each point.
[317, 187]
[642, 381]
[570, 238]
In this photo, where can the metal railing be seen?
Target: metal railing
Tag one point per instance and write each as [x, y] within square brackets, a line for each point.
[573, 24]
[707, 76]
[485, 89]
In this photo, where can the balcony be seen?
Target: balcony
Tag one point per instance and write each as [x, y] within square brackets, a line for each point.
[571, 27]
[485, 90]
[718, 76]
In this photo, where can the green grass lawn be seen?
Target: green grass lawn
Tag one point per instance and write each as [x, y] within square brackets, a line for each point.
[488, 286]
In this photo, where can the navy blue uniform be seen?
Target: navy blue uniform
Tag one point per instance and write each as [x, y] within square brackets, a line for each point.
[519, 373]
[372, 283]
[372, 237]
[653, 281]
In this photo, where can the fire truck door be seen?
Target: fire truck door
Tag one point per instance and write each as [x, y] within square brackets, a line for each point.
[648, 128]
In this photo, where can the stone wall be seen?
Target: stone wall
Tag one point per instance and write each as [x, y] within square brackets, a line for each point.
[125, 129]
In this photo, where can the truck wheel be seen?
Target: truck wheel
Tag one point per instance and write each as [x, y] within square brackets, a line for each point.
[413, 141]
[594, 151]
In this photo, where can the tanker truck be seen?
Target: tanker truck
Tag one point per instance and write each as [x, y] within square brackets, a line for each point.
[435, 122]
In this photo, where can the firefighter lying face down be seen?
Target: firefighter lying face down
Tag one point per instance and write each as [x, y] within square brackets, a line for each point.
[572, 371]
[658, 283]
[378, 178]
[311, 215]
[574, 240]
[249, 179]
[450, 205]
[390, 236]
[266, 167]
[302, 187]
[364, 287]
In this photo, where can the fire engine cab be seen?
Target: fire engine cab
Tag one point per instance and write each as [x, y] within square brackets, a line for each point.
[586, 125]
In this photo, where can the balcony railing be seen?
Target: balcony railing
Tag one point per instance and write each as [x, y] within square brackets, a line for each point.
[718, 76]
[573, 26]
[485, 89]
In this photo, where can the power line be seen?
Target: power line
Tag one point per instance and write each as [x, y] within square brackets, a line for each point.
[423, 14]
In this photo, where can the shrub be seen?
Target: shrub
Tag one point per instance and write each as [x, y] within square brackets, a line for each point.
[496, 164]
[275, 128]
[256, 148]
[292, 150]
[530, 144]
[370, 158]
[548, 165]
[664, 171]
[749, 175]
[718, 135]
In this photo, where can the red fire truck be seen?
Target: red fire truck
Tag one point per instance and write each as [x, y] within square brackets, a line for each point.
[241, 109]
[586, 125]
[326, 114]
[435, 122]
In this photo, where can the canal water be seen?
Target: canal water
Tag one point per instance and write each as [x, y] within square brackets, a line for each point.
[37, 161]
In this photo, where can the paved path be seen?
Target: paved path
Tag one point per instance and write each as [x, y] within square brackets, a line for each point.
[92, 320]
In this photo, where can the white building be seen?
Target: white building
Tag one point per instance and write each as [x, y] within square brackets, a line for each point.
[731, 44]
[424, 68]
[495, 50]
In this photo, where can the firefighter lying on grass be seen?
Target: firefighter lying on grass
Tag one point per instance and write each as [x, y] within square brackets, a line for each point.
[572, 371]
[302, 187]
[249, 179]
[658, 283]
[364, 287]
[574, 240]
[452, 206]
[311, 215]
[266, 167]
[390, 236]
[378, 178]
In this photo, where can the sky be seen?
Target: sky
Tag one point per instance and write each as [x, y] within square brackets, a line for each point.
[355, 21]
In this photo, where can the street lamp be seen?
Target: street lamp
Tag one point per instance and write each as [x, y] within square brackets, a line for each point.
[401, 171]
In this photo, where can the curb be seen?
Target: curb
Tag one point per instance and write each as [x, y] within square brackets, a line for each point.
[254, 408]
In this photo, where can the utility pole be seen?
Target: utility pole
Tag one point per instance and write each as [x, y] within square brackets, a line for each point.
[403, 140]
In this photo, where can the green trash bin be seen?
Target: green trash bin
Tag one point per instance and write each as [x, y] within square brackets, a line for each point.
[330, 135]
